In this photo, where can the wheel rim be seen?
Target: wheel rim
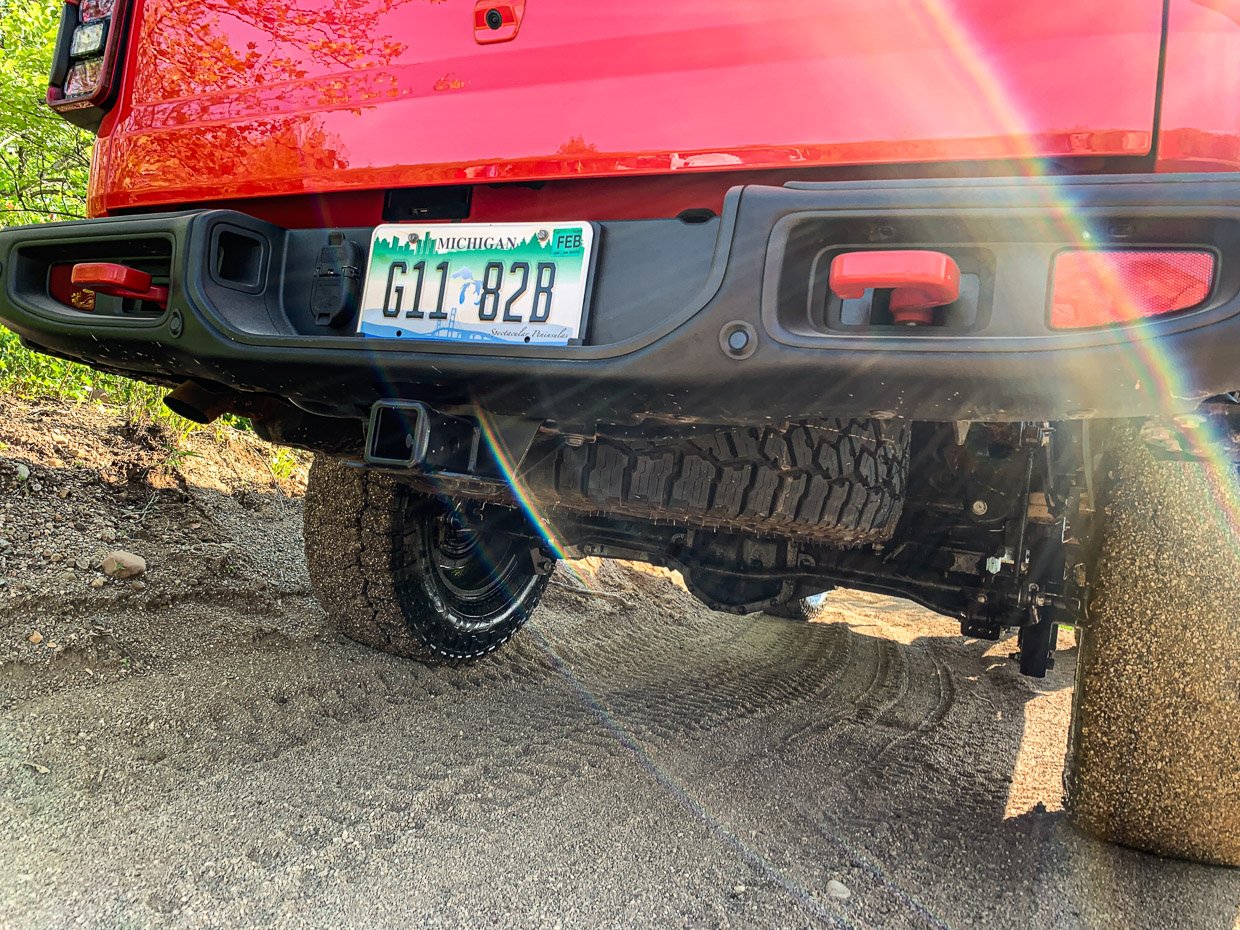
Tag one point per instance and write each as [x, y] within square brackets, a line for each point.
[476, 565]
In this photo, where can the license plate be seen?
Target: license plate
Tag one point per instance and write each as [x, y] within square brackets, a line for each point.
[498, 283]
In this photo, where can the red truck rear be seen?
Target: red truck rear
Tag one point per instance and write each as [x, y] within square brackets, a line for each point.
[937, 298]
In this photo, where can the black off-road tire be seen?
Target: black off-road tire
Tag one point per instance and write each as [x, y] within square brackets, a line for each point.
[1154, 749]
[375, 550]
[840, 482]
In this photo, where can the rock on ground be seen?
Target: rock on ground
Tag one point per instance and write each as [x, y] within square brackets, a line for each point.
[121, 564]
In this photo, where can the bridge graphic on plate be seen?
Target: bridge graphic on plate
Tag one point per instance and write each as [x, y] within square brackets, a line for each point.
[448, 332]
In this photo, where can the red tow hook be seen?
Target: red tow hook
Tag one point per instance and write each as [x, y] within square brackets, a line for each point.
[118, 281]
[920, 280]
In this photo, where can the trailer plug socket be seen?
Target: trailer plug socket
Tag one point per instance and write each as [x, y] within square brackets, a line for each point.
[337, 282]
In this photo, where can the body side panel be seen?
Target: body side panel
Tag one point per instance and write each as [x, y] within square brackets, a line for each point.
[1200, 119]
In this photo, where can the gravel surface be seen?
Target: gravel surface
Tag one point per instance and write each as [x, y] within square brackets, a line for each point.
[202, 752]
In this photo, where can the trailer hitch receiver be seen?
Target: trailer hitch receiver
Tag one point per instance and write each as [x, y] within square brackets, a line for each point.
[409, 434]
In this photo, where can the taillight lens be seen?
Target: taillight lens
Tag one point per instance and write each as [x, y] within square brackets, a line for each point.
[87, 40]
[86, 68]
[83, 77]
[1102, 287]
[95, 9]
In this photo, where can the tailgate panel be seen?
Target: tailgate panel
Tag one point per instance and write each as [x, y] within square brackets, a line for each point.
[232, 98]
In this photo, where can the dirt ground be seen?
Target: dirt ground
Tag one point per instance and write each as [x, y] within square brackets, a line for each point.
[194, 748]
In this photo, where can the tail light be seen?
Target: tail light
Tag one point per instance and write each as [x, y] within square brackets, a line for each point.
[86, 66]
[1101, 287]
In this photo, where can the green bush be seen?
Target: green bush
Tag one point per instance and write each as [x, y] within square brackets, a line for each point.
[44, 161]
[44, 166]
[29, 374]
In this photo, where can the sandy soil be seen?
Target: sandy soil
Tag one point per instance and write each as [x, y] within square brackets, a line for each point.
[198, 750]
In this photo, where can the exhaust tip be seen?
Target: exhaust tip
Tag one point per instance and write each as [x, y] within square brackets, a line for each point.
[199, 402]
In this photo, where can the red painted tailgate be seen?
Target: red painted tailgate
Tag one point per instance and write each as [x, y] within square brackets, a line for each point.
[241, 98]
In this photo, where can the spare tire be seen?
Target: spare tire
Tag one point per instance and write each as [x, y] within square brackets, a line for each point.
[840, 482]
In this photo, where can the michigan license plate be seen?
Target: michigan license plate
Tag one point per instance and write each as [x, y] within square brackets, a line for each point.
[498, 283]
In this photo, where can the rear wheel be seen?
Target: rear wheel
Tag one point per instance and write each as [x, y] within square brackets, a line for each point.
[412, 575]
[1155, 739]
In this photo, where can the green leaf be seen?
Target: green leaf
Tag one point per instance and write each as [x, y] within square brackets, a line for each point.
[44, 161]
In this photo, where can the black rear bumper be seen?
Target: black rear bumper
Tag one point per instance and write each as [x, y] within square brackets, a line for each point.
[667, 293]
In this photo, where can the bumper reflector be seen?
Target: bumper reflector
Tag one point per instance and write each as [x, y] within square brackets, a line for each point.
[1101, 287]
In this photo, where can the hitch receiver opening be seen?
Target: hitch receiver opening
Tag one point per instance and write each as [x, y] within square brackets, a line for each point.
[409, 434]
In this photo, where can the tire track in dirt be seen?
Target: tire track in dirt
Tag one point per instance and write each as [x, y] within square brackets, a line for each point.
[723, 672]
[619, 765]
[912, 712]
